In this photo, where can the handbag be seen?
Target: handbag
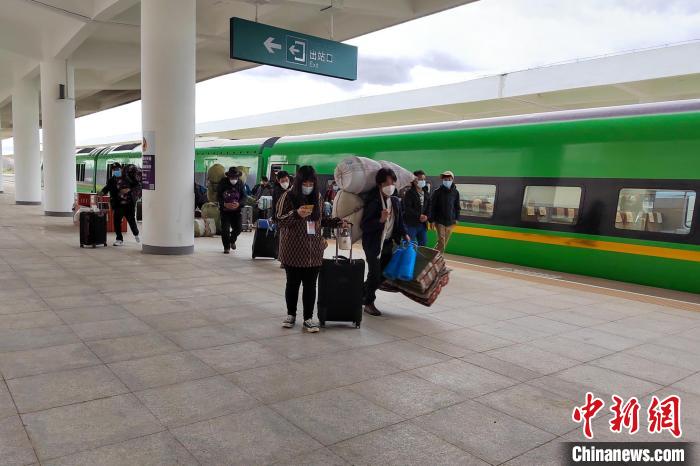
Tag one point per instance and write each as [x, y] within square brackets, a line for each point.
[391, 271]
[408, 263]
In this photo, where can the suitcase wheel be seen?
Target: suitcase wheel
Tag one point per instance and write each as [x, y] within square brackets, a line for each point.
[82, 245]
[322, 323]
[357, 324]
[94, 246]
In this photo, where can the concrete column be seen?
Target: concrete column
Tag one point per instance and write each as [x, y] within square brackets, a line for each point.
[58, 123]
[25, 131]
[168, 44]
[2, 169]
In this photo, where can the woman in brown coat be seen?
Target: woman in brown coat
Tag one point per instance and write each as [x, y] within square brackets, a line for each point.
[301, 244]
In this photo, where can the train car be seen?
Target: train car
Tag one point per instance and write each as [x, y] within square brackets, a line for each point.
[609, 193]
[93, 165]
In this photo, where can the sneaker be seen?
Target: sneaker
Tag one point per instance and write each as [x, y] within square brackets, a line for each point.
[118, 243]
[137, 238]
[311, 326]
[372, 310]
[289, 322]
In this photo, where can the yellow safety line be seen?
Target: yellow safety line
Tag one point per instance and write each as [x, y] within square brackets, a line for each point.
[656, 251]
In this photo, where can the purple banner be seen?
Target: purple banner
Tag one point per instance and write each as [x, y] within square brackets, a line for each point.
[148, 172]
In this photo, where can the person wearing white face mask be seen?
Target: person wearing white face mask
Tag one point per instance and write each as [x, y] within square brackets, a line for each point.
[382, 226]
[231, 197]
[301, 244]
[281, 185]
[444, 209]
[416, 209]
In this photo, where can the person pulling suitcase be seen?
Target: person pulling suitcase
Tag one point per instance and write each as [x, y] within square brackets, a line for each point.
[301, 247]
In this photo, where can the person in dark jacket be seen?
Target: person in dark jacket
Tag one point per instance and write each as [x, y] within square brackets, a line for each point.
[123, 192]
[382, 225]
[301, 244]
[444, 209]
[231, 197]
[200, 195]
[281, 186]
[416, 204]
[263, 188]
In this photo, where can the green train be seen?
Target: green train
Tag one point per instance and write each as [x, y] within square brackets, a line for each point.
[609, 193]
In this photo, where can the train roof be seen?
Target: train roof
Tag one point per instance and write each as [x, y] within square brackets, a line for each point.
[534, 118]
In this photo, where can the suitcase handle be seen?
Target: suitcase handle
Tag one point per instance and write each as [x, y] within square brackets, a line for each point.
[337, 251]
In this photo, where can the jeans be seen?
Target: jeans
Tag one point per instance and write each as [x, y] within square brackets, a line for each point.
[128, 211]
[296, 276]
[418, 233]
[230, 228]
[375, 267]
[444, 232]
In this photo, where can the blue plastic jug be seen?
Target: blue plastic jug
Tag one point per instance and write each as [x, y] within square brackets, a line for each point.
[408, 262]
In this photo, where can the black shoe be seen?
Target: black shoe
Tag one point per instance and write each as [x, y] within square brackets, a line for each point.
[372, 310]
[233, 246]
[226, 251]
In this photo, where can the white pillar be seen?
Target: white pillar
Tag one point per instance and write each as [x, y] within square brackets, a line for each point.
[58, 123]
[168, 45]
[2, 168]
[25, 131]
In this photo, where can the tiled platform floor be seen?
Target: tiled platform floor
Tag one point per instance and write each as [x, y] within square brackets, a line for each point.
[112, 357]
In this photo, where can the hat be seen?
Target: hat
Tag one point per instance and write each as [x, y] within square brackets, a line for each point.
[447, 173]
[233, 172]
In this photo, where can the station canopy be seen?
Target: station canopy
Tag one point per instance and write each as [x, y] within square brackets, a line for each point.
[101, 38]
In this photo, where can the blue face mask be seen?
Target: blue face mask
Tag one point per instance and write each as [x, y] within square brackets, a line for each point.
[447, 183]
[306, 190]
[117, 173]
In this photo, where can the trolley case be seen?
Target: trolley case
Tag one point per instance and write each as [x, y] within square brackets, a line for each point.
[93, 229]
[340, 289]
[264, 240]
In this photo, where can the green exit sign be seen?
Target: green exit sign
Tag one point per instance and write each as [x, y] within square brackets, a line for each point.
[268, 45]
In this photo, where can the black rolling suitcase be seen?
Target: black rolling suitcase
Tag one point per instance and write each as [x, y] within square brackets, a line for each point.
[264, 240]
[340, 289]
[93, 229]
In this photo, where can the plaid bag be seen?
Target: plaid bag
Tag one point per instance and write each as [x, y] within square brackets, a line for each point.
[428, 298]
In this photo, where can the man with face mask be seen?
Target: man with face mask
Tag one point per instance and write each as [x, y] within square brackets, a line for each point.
[444, 209]
[416, 209]
[382, 226]
[123, 191]
[281, 185]
[231, 197]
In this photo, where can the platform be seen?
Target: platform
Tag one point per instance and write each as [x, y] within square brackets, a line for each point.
[109, 356]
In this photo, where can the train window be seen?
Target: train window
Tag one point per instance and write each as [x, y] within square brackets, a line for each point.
[552, 204]
[656, 210]
[477, 200]
[80, 172]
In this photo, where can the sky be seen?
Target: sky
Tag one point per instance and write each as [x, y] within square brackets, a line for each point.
[478, 39]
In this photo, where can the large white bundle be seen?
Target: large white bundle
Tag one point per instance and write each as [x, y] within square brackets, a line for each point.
[356, 174]
[403, 177]
[349, 206]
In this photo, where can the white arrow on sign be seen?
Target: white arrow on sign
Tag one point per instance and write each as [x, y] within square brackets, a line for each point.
[270, 45]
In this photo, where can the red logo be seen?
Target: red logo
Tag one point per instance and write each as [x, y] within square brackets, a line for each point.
[661, 415]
